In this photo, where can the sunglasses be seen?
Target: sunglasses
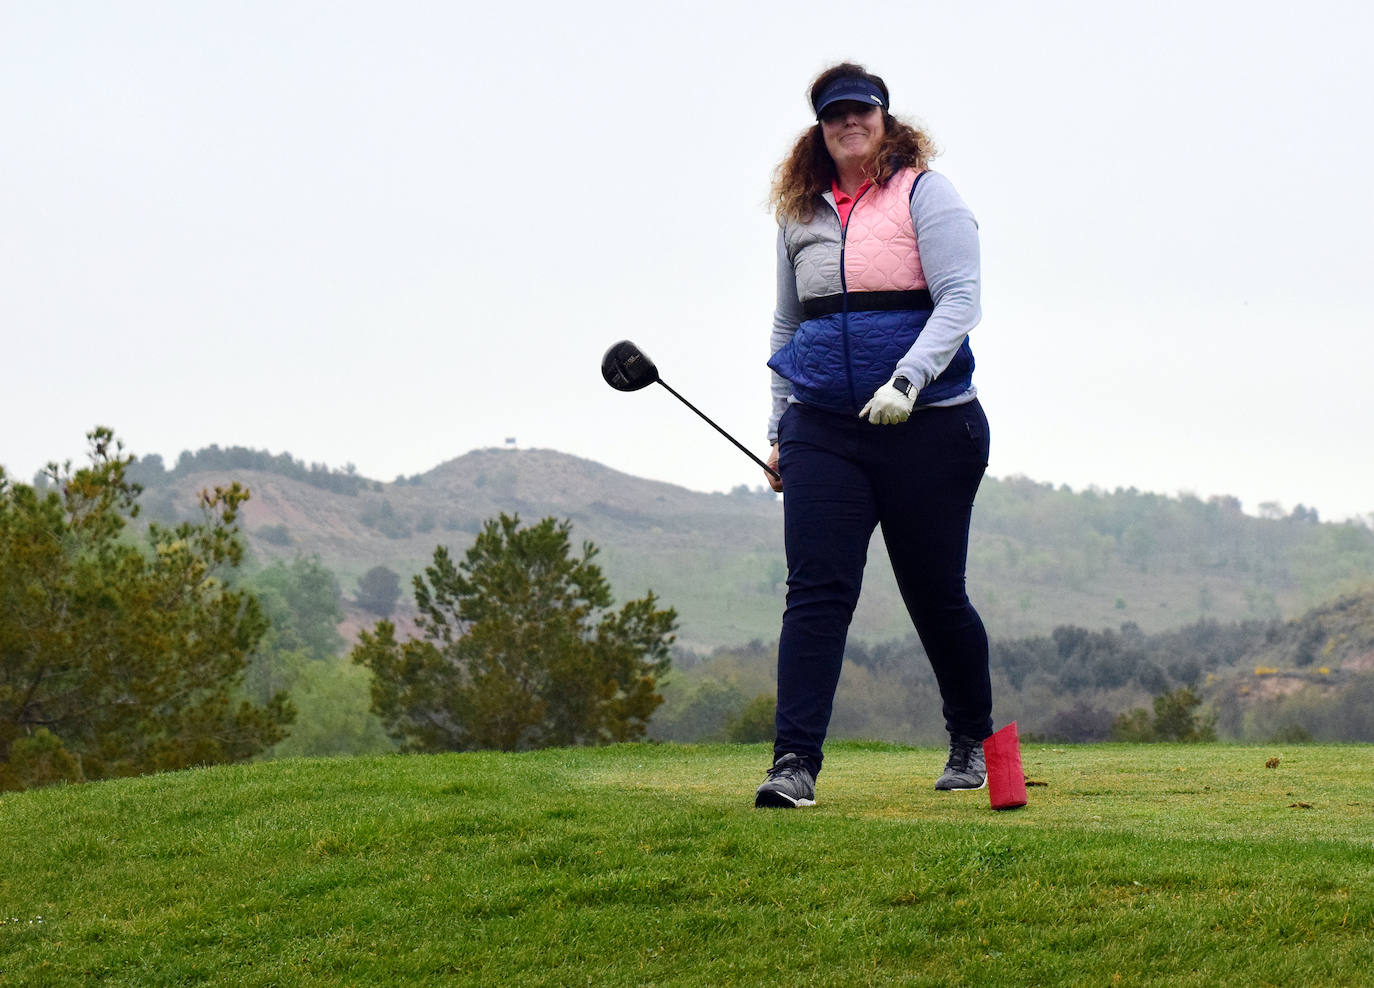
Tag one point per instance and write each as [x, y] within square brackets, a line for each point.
[838, 111]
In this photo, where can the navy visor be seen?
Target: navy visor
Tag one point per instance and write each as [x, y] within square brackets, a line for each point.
[853, 88]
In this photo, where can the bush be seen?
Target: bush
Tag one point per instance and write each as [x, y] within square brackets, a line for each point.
[1291, 733]
[38, 760]
[381, 517]
[755, 722]
[379, 589]
[696, 713]
[1133, 725]
[275, 534]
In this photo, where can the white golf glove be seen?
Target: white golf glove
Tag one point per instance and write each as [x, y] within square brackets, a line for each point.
[890, 404]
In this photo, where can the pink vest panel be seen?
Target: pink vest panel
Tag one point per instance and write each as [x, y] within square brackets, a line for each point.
[880, 252]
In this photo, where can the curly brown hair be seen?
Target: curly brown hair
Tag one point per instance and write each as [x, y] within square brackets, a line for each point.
[808, 170]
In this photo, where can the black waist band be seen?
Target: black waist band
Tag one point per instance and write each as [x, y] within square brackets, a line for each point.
[827, 305]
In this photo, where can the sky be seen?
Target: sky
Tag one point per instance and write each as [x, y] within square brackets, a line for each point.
[387, 234]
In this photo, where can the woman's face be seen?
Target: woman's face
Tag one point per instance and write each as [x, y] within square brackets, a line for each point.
[852, 132]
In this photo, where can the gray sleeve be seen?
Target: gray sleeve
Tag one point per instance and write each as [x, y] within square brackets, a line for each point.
[787, 316]
[947, 237]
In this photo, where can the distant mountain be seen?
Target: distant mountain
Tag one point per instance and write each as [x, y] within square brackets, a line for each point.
[1040, 556]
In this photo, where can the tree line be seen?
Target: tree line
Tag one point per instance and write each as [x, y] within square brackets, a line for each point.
[126, 650]
[150, 470]
[1243, 680]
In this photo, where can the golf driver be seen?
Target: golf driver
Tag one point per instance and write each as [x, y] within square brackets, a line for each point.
[628, 368]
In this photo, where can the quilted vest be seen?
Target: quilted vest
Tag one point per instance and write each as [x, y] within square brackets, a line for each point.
[856, 328]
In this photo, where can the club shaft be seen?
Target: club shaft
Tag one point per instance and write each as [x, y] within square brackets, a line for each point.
[769, 470]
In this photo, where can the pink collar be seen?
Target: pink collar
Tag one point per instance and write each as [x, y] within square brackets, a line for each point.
[844, 202]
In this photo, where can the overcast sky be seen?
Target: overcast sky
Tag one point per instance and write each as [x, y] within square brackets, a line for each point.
[387, 234]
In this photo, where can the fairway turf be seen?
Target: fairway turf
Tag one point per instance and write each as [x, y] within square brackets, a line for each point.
[646, 864]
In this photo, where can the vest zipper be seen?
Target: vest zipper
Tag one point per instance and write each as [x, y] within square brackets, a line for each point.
[844, 301]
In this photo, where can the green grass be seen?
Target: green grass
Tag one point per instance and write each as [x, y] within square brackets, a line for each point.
[647, 865]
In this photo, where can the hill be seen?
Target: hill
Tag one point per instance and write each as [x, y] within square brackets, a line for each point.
[646, 864]
[1040, 556]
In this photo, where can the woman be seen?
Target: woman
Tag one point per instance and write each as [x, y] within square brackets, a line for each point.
[875, 418]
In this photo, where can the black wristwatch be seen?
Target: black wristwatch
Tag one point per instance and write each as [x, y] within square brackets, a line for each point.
[904, 386]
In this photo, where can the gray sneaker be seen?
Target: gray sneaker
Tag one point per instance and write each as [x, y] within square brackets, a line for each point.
[965, 768]
[789, 784]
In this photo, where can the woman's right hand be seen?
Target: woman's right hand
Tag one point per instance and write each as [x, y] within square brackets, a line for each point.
[774, 482]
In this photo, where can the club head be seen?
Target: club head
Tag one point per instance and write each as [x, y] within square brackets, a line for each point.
[628, 368]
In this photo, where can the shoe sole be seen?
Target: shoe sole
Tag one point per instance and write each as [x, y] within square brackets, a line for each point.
[779, 801]
[962, 788]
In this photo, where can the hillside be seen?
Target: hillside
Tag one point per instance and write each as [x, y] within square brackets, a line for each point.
[1040, 556]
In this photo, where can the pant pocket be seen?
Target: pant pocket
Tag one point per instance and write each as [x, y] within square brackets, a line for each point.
[784, 422]
[976, 427]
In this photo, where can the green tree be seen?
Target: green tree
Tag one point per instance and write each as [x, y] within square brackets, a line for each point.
[333, 699]
[1177, 718]
[303, 604]
[379, 589]
[127, 655]
[520, 649]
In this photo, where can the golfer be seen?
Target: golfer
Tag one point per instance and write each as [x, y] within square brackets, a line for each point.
[875, 418]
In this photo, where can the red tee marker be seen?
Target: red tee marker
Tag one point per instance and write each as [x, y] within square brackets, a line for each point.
[1006, 780]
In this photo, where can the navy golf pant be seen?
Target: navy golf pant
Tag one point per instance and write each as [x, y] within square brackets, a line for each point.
[841, 477]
